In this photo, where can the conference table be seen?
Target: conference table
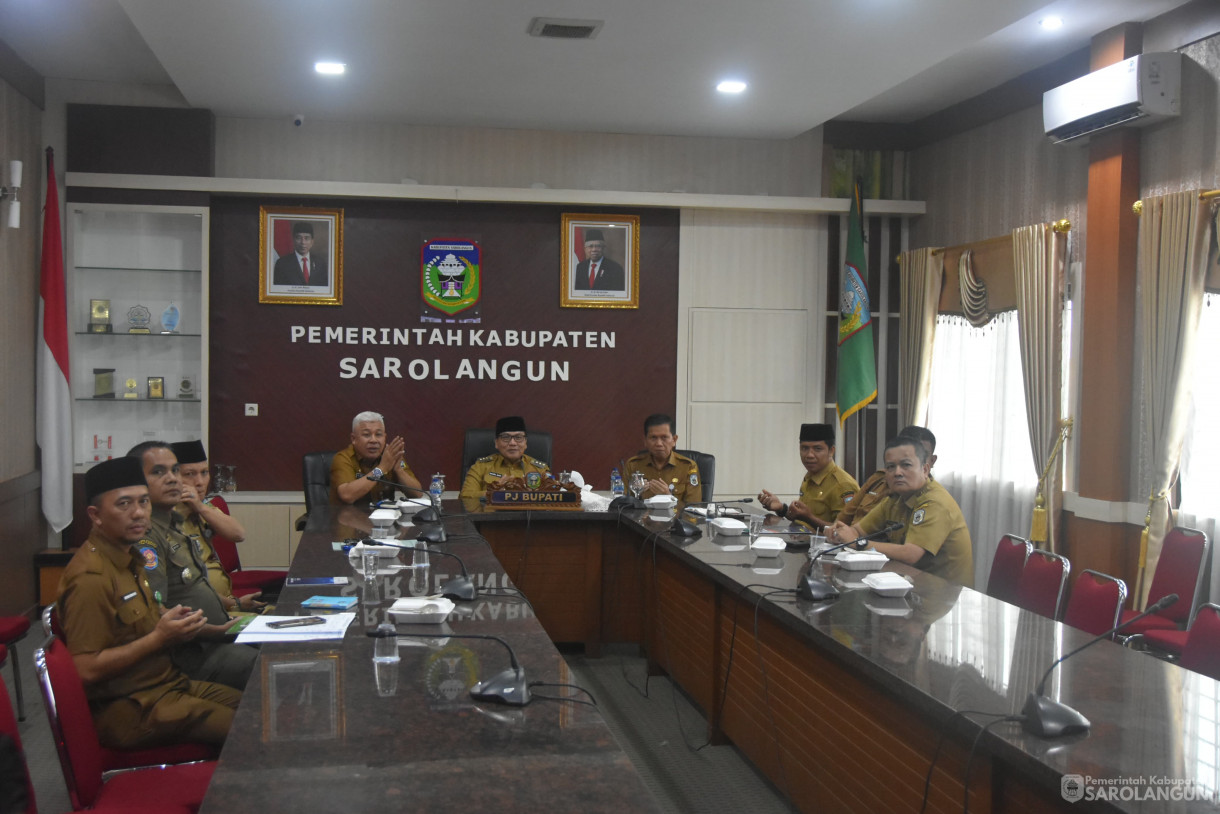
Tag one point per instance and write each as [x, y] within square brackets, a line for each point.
[841, 704]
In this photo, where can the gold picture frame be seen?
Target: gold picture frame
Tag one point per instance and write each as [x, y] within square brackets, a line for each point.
[283, 277]
[614, 281]
[156, 387]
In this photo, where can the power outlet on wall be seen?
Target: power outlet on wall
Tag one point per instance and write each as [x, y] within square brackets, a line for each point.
[252, 409]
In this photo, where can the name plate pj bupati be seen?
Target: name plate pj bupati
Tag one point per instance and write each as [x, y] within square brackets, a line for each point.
[530, 499]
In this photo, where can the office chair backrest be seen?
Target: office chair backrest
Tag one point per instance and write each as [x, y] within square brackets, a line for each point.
[707, 469]
[1179, 570]
[16, 796]
[315, 478]
[1041, 587]
[1095, 602]
[1006, 568]
[481, 441]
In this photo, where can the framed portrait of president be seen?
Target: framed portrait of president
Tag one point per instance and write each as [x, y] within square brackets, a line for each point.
[599, 261]
[301, 256]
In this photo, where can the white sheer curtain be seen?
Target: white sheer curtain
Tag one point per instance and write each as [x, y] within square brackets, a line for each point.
[977, 411]
[1200, 476]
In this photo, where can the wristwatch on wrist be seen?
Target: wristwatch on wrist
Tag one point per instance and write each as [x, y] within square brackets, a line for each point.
[376, 474]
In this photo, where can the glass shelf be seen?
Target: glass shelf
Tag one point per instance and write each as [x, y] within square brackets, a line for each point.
[128, 268]
[125, 333]
[121, 400]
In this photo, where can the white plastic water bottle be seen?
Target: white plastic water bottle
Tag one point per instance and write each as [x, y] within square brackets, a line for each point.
[437, 488]
[616, 483]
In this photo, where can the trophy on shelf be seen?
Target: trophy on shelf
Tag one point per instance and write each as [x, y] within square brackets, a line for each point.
[169, 318]
[103, 382]
[129, 391]
[186, 387]
[138, 318]
[156, 387]
[99, 317]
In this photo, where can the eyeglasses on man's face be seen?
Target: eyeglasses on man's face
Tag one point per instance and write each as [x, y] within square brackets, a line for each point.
[511, 437]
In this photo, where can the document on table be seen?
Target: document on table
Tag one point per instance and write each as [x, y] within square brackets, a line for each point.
[333, 626]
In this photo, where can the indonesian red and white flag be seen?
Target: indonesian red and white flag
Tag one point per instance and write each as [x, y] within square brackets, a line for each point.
[54, 405]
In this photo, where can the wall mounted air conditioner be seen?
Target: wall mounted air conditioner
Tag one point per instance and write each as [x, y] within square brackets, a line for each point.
[1137, 91]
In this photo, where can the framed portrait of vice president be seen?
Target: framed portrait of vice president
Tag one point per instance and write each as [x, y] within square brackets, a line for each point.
[301, 256]
[599, 261]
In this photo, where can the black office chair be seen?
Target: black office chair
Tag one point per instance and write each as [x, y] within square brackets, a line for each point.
[315, 482]
[482, 441]
[707, 469]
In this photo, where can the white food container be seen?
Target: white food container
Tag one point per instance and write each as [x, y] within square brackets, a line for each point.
[887, 583]
[728, 526]
[768, 546]
[861, 560]
[420, 610]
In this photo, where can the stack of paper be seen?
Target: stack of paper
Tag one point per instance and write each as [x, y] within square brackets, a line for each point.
[333, 626]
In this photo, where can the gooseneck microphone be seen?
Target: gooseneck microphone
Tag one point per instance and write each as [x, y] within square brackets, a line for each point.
[818, 590]
[460, 587]
[428, 514]
[506, 687]
[1051, 719]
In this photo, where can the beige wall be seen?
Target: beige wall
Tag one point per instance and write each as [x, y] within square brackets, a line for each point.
[21, 526]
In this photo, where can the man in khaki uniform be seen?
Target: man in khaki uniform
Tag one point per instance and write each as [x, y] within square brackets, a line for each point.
[178, 574]
[508, 461]
[201, 520]
[934, 536]
[874, 490]
[118, 637]
[668, 473]
[372, 456]
[826, 488]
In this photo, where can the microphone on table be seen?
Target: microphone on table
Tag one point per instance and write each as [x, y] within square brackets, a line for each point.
[506, 687]
[457, 588]
[428, 514]
[1050, 719]
[818, 590]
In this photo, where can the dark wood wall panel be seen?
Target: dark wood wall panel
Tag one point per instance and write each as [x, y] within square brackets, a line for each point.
[596, 417]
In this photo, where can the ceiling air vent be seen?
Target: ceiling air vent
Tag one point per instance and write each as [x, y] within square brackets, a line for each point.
[558, 29]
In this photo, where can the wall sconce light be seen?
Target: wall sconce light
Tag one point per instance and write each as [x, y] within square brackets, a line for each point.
[9, 193]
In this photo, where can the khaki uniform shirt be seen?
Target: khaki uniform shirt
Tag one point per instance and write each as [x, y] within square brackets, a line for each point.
[346, 467]
[175, 566]
[870, 493]
[200, 532]
[489, 470]
[932, 520]
[679, 471]
[105, 601]
[827, 492]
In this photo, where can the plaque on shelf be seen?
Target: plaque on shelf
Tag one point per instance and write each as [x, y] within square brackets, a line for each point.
[99, 317]
[130, 392]
[139, 318]
[103, 382]
[186, 387]
[156, 387]
[169, 318]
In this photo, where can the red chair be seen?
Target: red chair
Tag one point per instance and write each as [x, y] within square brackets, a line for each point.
[1041, 586]
[1095, 603]
[244, 582]
[1201, 652]
[1178, 571]
[1006, 567]
[83, 760]
[13, 630]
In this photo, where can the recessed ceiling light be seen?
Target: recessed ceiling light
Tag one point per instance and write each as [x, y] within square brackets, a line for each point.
[731, 86]
[330, 67]
[1051, 23]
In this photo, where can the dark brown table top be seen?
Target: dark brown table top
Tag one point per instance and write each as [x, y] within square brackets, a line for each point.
[314, 734]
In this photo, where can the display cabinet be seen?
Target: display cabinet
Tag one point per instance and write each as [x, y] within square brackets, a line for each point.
[138, 293]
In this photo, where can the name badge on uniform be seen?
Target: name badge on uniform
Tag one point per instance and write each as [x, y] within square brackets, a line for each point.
[495, 475]
[130, 596]
[917, 518]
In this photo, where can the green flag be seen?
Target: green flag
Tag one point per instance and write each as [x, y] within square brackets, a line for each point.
[857, 384]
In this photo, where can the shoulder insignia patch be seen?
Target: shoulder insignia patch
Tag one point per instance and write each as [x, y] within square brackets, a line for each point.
[917, 518]
[485, 458]
[149, 553]
[694, 478]
[536, 462]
